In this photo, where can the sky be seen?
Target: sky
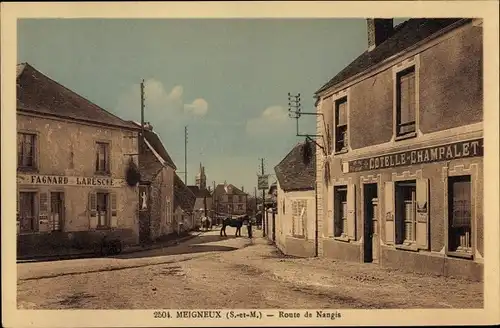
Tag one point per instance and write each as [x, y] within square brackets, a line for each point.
[226, 79]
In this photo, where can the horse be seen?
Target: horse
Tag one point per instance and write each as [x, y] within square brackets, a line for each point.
[206, 223]
[235, 223]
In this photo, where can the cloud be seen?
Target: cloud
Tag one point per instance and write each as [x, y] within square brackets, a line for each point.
[160, 104]
[273, 119]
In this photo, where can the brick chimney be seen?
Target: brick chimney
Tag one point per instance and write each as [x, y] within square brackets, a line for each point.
[379, 30]
[148, 126]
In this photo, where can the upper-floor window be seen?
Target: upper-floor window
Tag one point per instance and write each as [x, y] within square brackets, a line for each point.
[26, 150]
[230, 198]
[102, 157]
[341, 141]
[406, 109]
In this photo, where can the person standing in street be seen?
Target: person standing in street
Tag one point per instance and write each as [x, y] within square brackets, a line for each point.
[249, 227]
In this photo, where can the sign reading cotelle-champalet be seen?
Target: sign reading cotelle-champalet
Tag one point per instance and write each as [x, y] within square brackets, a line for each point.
[37, 179]
[462, 149]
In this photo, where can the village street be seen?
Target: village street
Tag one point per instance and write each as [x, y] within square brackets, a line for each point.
[212, 272]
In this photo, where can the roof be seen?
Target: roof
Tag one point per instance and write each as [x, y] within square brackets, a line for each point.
[229, 189]
[38, 93]
[183, 197]
[153, 142]
[199, 193]
[404, 36]
[293, 173]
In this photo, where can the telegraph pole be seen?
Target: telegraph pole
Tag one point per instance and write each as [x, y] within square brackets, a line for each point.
[142, 111]
[263, 200]
[255, 196]
[185, 153]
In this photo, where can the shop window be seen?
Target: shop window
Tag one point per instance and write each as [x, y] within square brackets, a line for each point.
[299, 217]
[406, 212]
[405, 100]
[459, 214]
[26, 151]
[27, 215]
[102, 158]
[341, 142]
[340, 213]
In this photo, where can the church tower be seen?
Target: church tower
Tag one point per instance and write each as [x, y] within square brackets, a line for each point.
[201, 179]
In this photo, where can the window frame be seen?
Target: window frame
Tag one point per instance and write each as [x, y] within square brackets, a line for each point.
[451, 181]
[337, 127]
[336, 99]
[35, 211]
[336, 210]
[107, 170]
[35, 156]
[460, 170]
[107, 224]
[299, 204]
[401, 222]
[412, 63]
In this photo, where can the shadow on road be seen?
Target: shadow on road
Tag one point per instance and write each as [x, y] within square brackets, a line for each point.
[176, 250]
[203, 239]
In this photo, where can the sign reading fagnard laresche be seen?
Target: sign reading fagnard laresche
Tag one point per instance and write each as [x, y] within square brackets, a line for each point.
[462, 149]
[38, 179]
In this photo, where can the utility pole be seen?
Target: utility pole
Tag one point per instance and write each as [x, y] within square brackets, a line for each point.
[185, 154]
[255, 196]
[263, 200]
[142, 112]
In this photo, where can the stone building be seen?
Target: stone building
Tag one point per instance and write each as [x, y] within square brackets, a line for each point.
[229, 200]
[72, 159]
[184, 211]
[404, 142]
[294, 226]
[157, 186]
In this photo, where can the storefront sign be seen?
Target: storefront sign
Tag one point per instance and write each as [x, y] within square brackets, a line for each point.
[463, 149]
[37, 179]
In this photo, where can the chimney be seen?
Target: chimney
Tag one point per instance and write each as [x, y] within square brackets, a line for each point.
[379, 30]
[242, 188]
[148, 126]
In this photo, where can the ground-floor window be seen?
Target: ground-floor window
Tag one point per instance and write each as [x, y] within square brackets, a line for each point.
[102, 210]
[340, 211]
[27, 214]
[406, 212]
[299, 214]
[56, 211]
[459, 214]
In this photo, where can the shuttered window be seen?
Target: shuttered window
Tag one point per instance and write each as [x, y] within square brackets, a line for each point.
[299, 218]
[460, 214]
[406, 102]
[103, 210]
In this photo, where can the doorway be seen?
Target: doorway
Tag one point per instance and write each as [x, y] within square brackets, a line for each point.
[371, 236]
[56, 211]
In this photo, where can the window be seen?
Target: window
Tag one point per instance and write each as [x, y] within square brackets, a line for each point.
[459, 214]
[406, 212]
[27, 215]
[26, 150]
[299, 215]
[240, 207]
[56, 211]
[102, 210]
[230, 198]
[102, 157]
[341, 141]
[405, 93]
[340, 216]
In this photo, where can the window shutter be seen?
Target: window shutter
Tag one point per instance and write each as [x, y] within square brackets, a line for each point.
[93, 210]
[389, 213]
[351, 211]
[422, 235]
[114, 211]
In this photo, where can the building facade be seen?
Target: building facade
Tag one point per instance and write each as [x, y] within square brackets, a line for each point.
[72, 159]
[401, 183]
[157, 187]
[229, 200]
[293, 228]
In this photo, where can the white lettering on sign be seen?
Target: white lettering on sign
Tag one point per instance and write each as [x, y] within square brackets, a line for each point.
[37, 179]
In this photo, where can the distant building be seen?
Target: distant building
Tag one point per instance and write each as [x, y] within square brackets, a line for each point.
[229, 200]
[402, 182]
[72, 159]
[293, 229]
[203, 196]
[184, 201]
[157, 186]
